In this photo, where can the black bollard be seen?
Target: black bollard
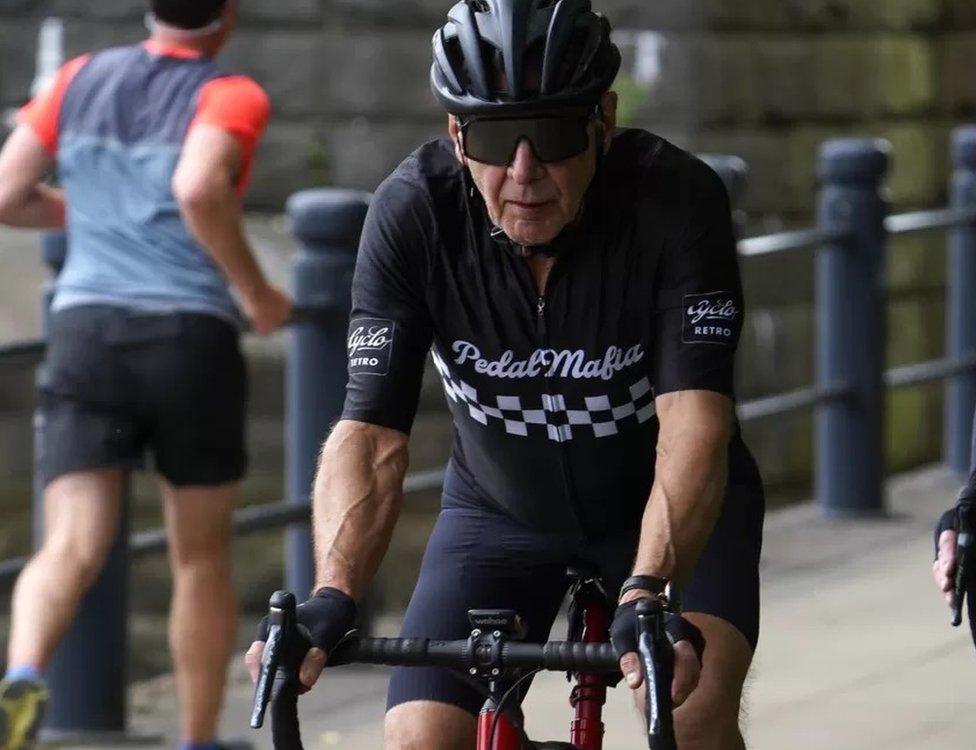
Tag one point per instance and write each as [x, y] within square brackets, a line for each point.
[961, 305]
[851, 328]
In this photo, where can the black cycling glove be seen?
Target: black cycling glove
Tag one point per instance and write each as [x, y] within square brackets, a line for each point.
[947, 522]
[952, 519]
[327, 617]
[625, 630]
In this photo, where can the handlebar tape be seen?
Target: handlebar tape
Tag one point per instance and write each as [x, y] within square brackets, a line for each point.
[285, 728]
[405, 652]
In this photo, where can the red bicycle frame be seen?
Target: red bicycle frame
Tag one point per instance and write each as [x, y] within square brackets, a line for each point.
[588, 695]
[590, 692]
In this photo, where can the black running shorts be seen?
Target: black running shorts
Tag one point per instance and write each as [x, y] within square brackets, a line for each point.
[117, 384]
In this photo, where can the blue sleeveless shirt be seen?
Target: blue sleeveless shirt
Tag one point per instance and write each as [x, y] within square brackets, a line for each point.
[122, 125]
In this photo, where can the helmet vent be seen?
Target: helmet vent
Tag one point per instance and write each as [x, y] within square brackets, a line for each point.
[572, 59]
[560, 50]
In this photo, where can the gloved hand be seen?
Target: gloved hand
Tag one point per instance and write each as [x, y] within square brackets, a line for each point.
[946, 545]
[688, 642]
[326, 618]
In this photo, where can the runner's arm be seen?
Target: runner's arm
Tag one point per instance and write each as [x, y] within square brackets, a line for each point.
[24, 201]
[204, 185]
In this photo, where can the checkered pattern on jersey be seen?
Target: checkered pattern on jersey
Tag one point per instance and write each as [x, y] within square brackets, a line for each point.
[561, 423]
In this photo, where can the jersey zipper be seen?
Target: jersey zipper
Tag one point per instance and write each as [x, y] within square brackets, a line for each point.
[568, 486]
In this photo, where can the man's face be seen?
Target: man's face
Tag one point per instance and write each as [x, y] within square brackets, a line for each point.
[531, 200]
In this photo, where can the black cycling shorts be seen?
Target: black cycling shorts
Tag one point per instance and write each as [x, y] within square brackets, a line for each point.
[116, 384]
[480, 559]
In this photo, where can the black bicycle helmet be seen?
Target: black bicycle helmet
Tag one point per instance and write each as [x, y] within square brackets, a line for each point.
[517, 58]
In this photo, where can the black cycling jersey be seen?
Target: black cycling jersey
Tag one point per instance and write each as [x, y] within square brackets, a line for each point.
[552, 397]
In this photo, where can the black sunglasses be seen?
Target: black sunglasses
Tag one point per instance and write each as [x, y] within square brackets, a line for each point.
[552, 139]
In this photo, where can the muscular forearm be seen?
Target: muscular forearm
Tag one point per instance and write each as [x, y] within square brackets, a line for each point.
[690, 476]
[357, 499]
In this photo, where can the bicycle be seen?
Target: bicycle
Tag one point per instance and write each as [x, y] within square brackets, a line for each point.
[493, 658]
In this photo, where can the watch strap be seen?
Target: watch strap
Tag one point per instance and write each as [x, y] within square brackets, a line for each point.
[655, 584]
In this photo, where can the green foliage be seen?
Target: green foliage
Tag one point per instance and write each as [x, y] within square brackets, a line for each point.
[318, 163]
[633, 98]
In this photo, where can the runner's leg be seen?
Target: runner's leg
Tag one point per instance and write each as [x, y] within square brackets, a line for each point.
[81, 512]
[194, 384]
[203, 617]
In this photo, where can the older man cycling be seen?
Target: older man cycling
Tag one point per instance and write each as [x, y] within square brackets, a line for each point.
[578, 289]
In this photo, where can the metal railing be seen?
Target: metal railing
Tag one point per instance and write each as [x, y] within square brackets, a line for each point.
[850, 245]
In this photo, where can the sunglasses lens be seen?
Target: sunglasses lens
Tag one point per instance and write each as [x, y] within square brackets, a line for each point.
[552, 138]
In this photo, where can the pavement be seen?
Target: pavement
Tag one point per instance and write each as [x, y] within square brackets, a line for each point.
[855, 654]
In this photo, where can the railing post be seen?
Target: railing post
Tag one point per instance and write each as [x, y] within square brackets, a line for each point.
[327, 225]
[961, 305]
[734, 173]
[850, 300]
[86, 676]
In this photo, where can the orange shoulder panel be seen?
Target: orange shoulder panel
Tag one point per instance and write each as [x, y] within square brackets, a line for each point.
[239, 106]
[43, 113]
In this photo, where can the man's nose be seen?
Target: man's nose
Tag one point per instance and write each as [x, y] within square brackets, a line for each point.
[525, 166]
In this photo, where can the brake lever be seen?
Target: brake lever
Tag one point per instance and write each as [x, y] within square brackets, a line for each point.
[964, 546]
[287, 644]
[657, 660]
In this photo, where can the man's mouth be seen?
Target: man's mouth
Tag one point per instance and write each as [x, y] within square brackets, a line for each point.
[528, 205]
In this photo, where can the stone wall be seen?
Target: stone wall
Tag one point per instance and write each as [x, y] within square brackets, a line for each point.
[765, 79]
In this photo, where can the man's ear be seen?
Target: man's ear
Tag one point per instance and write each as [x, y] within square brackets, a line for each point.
[608, 108]
[454, 129]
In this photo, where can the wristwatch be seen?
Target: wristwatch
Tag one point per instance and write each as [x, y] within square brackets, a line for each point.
[654, 584]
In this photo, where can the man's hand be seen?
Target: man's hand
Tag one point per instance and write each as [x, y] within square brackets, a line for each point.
[946, 541]
[326, 618]
[308, 674]
[687, 671]
[687, 660]
[944, 567]
[268, 309]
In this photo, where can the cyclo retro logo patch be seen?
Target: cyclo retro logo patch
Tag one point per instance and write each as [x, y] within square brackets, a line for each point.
[711, 318]
[370, 346]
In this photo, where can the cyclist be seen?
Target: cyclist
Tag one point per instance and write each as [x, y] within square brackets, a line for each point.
[153, 145]
[949, 539]
[571, 280]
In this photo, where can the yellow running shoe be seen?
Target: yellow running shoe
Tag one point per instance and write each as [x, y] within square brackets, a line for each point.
[22, 704]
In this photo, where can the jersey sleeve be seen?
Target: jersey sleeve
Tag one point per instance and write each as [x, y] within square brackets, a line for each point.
[699, 305]
[43, 113]
[239, 106]
[390, 329]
